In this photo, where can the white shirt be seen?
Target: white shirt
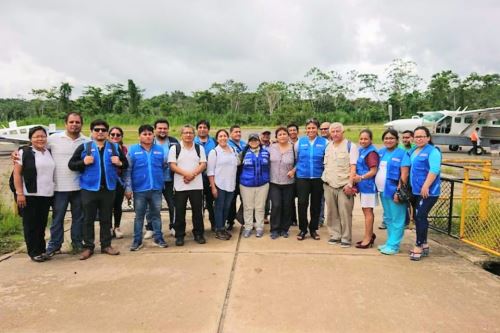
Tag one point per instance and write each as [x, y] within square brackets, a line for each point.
[188, 160]
[45, 167]
[62, 148]
[223, 166]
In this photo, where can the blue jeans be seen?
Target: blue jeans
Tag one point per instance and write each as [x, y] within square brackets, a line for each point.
[422, 210]
[149, 201]
[60, 205]
[222, 205]
[394, 219]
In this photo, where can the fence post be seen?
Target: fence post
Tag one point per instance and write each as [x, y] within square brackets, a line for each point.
[484, 195]
[450, 207]
[464, 201]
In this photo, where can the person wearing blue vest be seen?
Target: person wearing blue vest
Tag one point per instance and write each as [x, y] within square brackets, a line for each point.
[144, 178]
[425, 182]
[208, 143]
[392, 172]
[97, 161]
[254, 184]
[310, 152]
[162, 127]
[366, 168]
[238, 145]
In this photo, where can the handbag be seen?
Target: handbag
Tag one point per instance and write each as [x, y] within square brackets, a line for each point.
[404, 193]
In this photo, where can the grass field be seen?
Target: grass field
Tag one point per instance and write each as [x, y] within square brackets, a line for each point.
[351, 132]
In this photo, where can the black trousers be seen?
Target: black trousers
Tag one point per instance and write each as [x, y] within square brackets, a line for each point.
[282, 197]
[117, 204]
[103, 201]
[196, 199]
[313, 189]
[232, 209]
[209, 200]
[168, 194]
[294, 205]
[35, 216]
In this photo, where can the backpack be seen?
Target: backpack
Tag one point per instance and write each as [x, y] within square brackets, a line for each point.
[178, 149]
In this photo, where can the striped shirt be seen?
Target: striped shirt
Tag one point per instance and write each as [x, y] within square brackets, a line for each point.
[62, 148]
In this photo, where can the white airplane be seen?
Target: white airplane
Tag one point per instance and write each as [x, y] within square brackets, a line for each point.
[453, 128]
[19, 134]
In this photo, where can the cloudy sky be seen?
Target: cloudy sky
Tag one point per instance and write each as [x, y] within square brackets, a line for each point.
[187, 45]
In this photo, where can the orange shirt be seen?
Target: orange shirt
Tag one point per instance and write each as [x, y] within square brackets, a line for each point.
[474, 136]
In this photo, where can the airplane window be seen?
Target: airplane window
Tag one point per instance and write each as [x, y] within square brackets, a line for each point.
[433, 116]
[444, 126]
[458, 120]
[496, 122]
[13, 132]
[468, 120]
[23, 130]
[481, 121]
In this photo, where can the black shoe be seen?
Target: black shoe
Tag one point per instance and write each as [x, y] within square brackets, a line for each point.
[200, 239]
[229, 226]
[221, 235]
[52, 253]
[179, 241]
[40, 258]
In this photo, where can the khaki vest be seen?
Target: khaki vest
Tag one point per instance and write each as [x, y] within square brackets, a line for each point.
[337, 164]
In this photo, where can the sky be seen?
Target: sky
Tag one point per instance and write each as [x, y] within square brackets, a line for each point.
[188, 45]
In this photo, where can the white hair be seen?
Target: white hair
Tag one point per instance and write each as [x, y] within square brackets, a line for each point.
[337, 125]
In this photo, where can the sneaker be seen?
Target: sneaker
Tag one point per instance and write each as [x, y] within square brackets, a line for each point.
[333, 241]
[380, 247]
[247, 233]
[51, 253]
[345, 244]
[148, 234]
[118, 233]
[284, 234]
[200, 239]
[161, 243]
[179, 241]
[259, 233]
[274, 234]
[136, 246]
[110, 250]
[389, 251]
[40, 258]
[227, 233]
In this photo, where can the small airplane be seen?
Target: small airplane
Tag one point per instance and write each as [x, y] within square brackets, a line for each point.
[453, 128]
[19, 134]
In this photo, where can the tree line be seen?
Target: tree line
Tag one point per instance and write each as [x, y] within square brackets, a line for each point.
[350, 97]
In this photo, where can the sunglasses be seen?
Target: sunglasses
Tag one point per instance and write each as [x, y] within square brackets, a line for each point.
[324, 129]
[115, 135]
[100, 129]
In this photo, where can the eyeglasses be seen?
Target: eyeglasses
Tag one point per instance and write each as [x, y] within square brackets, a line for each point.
[188, 133]
[117, 135]
[100, 129]
[39, 137]
[421, 137]
[324, 129]
[406, 137]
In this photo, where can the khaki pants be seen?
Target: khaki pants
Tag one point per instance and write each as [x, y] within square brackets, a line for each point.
[338, 213]
[254, 198]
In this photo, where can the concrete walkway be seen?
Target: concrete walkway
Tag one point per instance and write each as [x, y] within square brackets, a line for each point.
[250, 285]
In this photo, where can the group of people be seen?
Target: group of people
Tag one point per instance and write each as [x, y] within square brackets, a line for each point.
[322, 169]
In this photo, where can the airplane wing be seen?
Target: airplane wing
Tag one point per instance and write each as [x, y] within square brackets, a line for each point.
[488, 114]
[7, 138]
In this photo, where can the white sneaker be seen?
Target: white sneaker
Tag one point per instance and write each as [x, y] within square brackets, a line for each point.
[118, 233]
[148, 234]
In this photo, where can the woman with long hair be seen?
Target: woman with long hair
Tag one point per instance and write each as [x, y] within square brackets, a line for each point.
[366, 168]
[392, 173]
[221, 171]
[282, 182]
[116, 136]
[425, 182]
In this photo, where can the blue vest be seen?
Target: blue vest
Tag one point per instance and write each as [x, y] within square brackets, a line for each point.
[167, 174]
[208, 145]
[366, 185]
[147, 168]
[238, 148]
[90, 178]
[255, 169]
[310, 158]
[420, 169]
[393, 170]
